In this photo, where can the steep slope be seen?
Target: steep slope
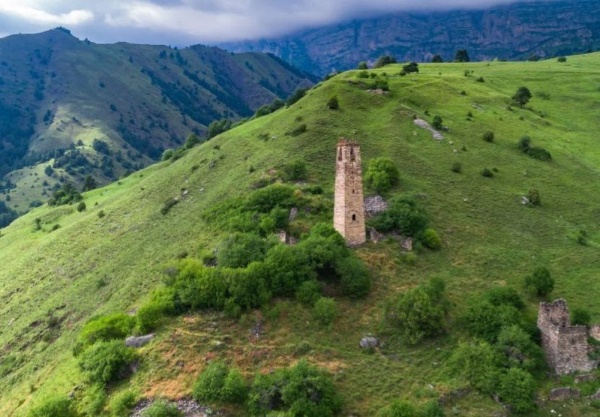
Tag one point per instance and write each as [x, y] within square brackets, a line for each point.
[108, 258]
[59, 94]
[516, 31]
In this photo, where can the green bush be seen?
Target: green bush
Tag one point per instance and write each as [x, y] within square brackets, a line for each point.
[431, 239]
[457, 167]
[487, 173]
[517, 388]
[403, 214]
[235, 388]
[309, 292]
[218, 383]
[106, 362]
[518, 350]
[333, 103]
[121, 404]
[354, 276]
[105, 328]
[249, 288]
[362, 65]
[437, 123]
[477, 363]
[505, 296]
[488, 136]
[534, 197]
[301, 391]
[539, 153]
[240, 249]
[199, 287]
[162, 408]
[191, 141]
[167, 154]
[382, 174]
[540, 283]
[325, 311]
[81, 207]
[295, 171]
[92, 403]
[581, 317]
[524, 144]
[54, 407]
[398, 409]
[168, 205]
[384, 60]
[485, 320]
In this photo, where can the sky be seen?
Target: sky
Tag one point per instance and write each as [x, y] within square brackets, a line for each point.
[186, 22]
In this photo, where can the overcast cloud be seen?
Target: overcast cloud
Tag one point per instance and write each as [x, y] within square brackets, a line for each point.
[185, 22]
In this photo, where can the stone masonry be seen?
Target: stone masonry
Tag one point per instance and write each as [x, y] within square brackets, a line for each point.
[565, 346]
[349, 211]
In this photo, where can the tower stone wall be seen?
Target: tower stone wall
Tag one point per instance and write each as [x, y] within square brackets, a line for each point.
[565, 346]
[349, 210]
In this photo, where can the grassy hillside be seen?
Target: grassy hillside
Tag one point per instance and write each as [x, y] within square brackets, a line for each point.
[52, 281]
[59, 94]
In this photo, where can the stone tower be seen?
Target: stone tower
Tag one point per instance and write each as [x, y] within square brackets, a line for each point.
[349, 210]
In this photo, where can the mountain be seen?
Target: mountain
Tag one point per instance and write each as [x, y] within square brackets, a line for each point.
[517, 31]
[61, 266]
[104, 110]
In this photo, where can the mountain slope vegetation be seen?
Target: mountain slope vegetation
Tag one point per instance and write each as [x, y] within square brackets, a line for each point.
[61, 266]
[83, 109]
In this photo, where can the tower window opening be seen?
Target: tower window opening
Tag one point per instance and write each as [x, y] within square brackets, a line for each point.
[354, 217]
[340, 155]
[352, 154]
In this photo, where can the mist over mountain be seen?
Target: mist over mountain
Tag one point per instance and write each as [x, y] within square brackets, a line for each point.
[513, 32]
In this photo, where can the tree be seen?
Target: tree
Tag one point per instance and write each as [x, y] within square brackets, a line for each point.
[522, 96]
[90, 183]
[411, 67]
[517, 389]
[437, 123]
[437, 59]
[362, 65]
[540, 283]
[382, 174]
[191, 141]
[217, 127]
[106, 362]
[477, 363]
[384, 60]
[333, 103]
[461, 56]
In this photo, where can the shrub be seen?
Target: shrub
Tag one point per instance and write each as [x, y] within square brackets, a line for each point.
[487, 173]
[81, 207]
[431, 239]
[240, 249]
[517, 388]
[437, 123]
[488, 136]
[398, 409]
[191, 141]
[295, 171]
[363, 74]
[122, 403]
[162, 408]
[384, 60]
[480, 80]
[92, 403]
[325, 311]
[298, 94]
[533, 196]
[309, 292]
[167, 154]
[105, 328]
[525, 144]
[580, 317]
[382, 174]
[333, 103]
[411, 67]
[168, 205]
[476, 362]
[562, 59]
[518, 350]
[219, 383]
[54, 407]
[539, 153]
[101, 214]
[106, 362]
[485, 320]
[235, 389]
[403, 214]
[354, 277]
[540, 283]
[457, 167]
[362, 65]
[301, 391]
[297, 131]
[498, 296]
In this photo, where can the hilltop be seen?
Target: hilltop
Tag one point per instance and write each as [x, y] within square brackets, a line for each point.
[83, 109]
[516, 31]
[68, 266]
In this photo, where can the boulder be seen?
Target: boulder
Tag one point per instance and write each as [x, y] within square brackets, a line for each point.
[563, 394]
[369, 342]
[140, 341]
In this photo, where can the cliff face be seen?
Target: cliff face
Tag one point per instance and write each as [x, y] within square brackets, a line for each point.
[509, 32]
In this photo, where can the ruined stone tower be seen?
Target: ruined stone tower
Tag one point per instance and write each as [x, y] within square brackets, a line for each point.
[349, 210]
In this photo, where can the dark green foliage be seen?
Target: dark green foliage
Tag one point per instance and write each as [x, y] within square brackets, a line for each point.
[517, 388]
[431, 239]
[309, 292]
[7, 215]
[437, 59]
[486, 172]
[562, 59]
[420, 312]
[150, 315]
[249, 288]
[81, 207]
[217, 127]
[533, 196]
[106, 362]
[297, 130]
[362, 65]
[398, 409]
[101, 214]
[461, 56]
[105, 328]
[240, 249]
[488, 136]
[191, 141]
[522, 96]
[480, 80]
[294, 98]
[167, 154]
[382, 174]
[354, 277]
[295, 171]
[122, 403]
[162, 408]
[437, 123]
[168, 205]
[301, 391]
[518, 350]
[505, 296]
[54, 407]
[333, 103]
[485, 320]
[363, 74]
[325, 311]
[525, 144]
[101, 147]
[540, 283]
[411, 67]
[384, 60]
[67, 194]
[199, 287]
[580, 317]
[269, 108]
[539, 153]
[457, 167]
[93, 401]
[477, 362]
[219, 383]
[404, 215]
[432, 409]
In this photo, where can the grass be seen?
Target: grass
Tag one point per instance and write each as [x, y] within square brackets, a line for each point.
[93, 265]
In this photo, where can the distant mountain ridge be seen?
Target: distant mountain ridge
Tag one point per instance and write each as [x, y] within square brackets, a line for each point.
[102, 110]
[510, 32]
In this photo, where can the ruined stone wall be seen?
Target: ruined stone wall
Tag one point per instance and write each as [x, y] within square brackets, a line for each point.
[565, 347]
[595, 331]
[349, 211]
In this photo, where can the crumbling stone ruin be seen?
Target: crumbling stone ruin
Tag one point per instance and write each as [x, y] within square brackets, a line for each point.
[565, 346]
[349, 210]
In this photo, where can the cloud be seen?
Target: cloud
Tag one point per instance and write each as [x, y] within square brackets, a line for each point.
[182, 22]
